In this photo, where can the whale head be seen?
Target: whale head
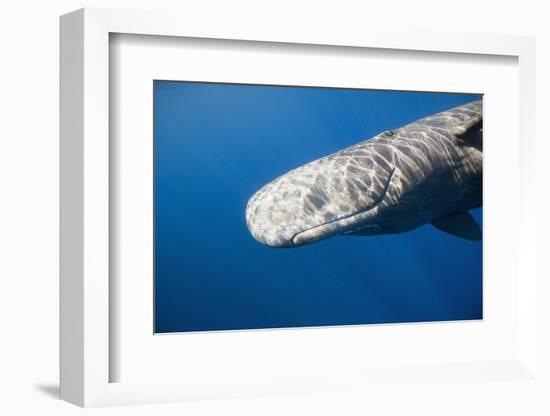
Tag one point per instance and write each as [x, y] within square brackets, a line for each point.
[337, 194]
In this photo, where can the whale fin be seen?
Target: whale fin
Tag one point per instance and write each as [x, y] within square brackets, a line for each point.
[459, 224]
[472, 134]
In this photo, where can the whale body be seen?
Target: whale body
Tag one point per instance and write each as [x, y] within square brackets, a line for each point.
[429, 171]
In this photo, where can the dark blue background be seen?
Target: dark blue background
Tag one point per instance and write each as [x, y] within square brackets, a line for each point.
[216, 144]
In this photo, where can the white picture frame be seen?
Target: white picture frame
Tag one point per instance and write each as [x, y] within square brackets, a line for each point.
[87, 304]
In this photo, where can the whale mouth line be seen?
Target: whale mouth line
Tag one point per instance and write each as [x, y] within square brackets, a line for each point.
[332, 227]
[316, 232]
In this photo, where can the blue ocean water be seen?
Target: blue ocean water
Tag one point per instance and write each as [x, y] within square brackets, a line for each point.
[217, 144]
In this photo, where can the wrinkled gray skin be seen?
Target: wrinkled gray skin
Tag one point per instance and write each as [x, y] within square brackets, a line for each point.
[391, 183]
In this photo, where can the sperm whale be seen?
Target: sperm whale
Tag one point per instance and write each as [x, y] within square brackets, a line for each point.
[429, 171]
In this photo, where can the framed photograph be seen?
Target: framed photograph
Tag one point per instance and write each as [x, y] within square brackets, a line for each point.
[268, 211]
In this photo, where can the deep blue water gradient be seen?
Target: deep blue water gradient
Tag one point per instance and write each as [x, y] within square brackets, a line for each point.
[217, 144]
